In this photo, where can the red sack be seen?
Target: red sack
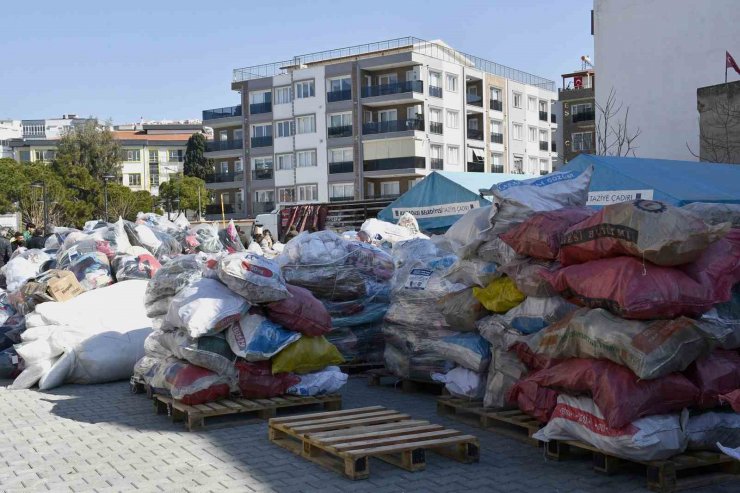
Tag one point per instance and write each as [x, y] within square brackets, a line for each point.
[301, 312]
[192, 385]
[630, 289]
[733, 399]
[715, 375]
[540, 235]
[619, 394]
[718, 267]
[538, 402]
[256, 380]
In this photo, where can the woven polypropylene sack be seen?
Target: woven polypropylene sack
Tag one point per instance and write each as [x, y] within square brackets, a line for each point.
[255, 338]
[306, 355]
[205, 307]
[540, 235]
[256, 278]
[500, 296]
[300, 312]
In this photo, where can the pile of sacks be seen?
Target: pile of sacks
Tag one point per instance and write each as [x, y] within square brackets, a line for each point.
[352, 280]
[230, 324]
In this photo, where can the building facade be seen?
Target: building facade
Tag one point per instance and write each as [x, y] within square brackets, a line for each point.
[9, 130]
[226, 182]
[654, 54]
[578, 123]
[369, 121]
[719, 122]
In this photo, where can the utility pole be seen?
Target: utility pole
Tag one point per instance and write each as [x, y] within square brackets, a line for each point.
[105, 193]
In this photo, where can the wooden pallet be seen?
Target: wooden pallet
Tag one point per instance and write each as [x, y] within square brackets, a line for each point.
[345, 440]
[358, 368]
[685, 471]
[198, 416]
[514, 424]
[376, 377]
[139, 386]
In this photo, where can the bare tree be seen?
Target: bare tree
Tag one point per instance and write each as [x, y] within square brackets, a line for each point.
[31, 205]
[613, 134]
[719, 131]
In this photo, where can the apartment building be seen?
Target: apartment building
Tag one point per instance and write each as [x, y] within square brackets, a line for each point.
[578, 123]
[9, 130]
[371, 120]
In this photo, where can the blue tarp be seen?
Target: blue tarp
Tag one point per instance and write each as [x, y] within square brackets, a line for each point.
[443, 197]
[617, 179]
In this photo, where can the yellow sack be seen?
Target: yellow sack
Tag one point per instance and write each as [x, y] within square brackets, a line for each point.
[305, 355]
[500, 296]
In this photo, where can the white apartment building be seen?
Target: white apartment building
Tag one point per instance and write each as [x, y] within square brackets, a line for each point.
[655, 54]
[9, 130]
[369, 121]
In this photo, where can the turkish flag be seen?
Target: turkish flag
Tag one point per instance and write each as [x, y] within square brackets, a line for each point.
[730, 62]
[578, 81]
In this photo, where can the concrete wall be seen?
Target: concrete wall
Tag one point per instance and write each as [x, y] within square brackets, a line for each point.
[719, 122]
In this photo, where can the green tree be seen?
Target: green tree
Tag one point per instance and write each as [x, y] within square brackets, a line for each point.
[17, 194]
[11, 183]
[92, 147]
[185, 189]
[123, 202]
[84, 194]
[195, 163]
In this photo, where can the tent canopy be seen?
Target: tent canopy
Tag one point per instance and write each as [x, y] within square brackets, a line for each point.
[618, 179]
[443, 197]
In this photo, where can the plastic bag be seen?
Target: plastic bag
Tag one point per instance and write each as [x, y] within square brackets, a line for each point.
[469, 232]
[500, 296]
[206, 236]
[715, 374]
[540, 235]
[359, 344]
[10, 364]
[205, 307]
[169, 280]
[211, 352]
[714, 214]
[256, 380]
[462, 382]
[256, 338]
[300, 312]
[187, 383]
[230, 238]
[473, 272]
[142, 266]
[469, 350]
[504, 372]
[306, 355]
[462, 310]
[327, 381]
[647, 229]
[706, 430]
[256, 278]
[92, 270]
[497, 251]
[384, 232]
[527, 274]
[414, 365]
[23, 267]
[532, 315]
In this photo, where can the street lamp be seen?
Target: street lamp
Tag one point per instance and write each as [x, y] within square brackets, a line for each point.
[105, 192]
[42, 186]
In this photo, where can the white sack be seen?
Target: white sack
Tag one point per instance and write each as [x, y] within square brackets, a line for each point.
[327, 381]
[705, 430]
[462, 382]
[205, 307]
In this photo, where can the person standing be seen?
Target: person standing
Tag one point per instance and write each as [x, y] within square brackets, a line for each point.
[37, 240]
[18, 241]
[30, 228]
[6, 250]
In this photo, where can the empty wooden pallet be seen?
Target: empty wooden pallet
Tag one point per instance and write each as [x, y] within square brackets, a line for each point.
[345, 440]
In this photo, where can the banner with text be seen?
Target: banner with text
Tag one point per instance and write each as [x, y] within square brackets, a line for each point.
[606, 197]
[454, 209]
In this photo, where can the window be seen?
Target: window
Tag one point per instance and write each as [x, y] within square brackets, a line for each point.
[390, 188]
[153, 156]
[261, 130]
[544, 165]
[517, 131]
[284, 128]
[304, 89]
[134, 179]
[495, 94]
[259, 97]
[305, 124]
[38, 155]
[175, 156]
[238, 166]
[532, 134]
[453, 119]
[496, 127]
[451, 82]
[496, 159]
[543, 105]
[341, 84]
[387, 79]
[224, 167]
[578, 109]
[286, 194]
[453, 155]
[305, 159]
[518, 164]
[370, 189]
[531, 104]
[533, 165]
[435, 152]
[308, 192]
[435, 79]
[435, 115]
[223, 135]
[25, 156]
[414, 182]
[132, 155]
[263, 196]
[517, 100]
[340, 120]
[283, 95]
[154, 174]
[543, 136]
[341, 155]
[581, 141]
[238, 134]
[262, 163]
[342, 190]
[284, 161]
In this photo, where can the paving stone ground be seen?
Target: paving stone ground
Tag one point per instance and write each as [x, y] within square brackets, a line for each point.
[103, 438]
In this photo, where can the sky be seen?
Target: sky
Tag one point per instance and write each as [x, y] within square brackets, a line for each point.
[170, 60]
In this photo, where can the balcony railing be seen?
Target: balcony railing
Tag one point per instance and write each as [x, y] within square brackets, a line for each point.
[262, 141]
[475, 134]
[263, 207]
[437, 163]
[417, 162]
[553, 118]
[341, 167]
[435, 128]
[554, 147]
[543, 116]
[395, 88]
[262, 174]
[392, 126]
[342, 131]
[544, 145]
[497, 168]
[343, 95]
[224, 145]
[497, 105]
[435, 91]
[388, 196]
[216, 209]
[226, 112]
[475, 167]
[497, 138]
[225, 177]
[257, 108]
[342, 199]
[474, 99]
[583, 116]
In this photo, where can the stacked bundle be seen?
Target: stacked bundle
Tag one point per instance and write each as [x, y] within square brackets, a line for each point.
[226, 324]
[352, 280]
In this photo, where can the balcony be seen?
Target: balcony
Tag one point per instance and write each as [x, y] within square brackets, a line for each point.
[435, 91]
[395, 163]
[343, 95]
[497, 138]
[544, 145]
[435, 128]
[226, 112]
[262, 174]
[341, 167]
[257, 108]
[342, 199]
[497, 168]
[475, 134]
[216, 209]
[224, 145]
[392, 126]
[262, 141]
[475, 167]
[395, 88]
[341, 131]
[497, 105]
[554, 146]
[437, 163]
[584, 116]
[225, 177]
[474, 99]
[263, 207]
[553, 118]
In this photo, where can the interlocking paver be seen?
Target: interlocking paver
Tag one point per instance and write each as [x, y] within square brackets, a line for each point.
[101, 438]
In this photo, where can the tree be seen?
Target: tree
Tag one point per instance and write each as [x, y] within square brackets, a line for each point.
[122, 202]
[719, 130]
[196, 164]
[185, 190]
[613, 135]
[11, 184]
[91, 147]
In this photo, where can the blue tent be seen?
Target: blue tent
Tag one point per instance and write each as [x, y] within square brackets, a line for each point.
[618, 179]
[443, 197]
